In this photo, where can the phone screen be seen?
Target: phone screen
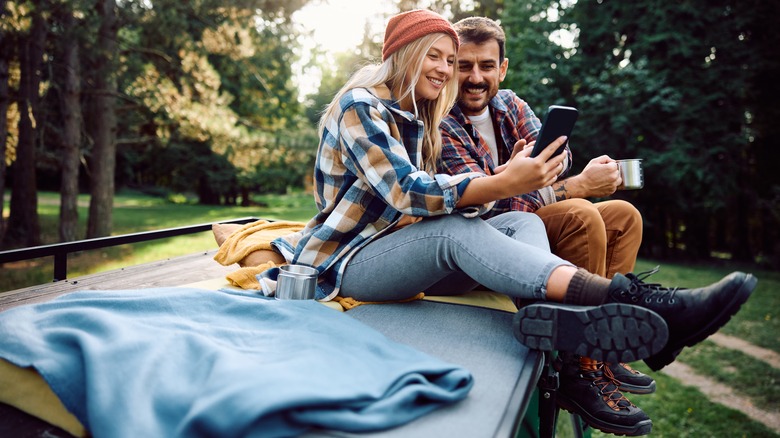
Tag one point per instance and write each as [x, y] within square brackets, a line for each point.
[558, 121]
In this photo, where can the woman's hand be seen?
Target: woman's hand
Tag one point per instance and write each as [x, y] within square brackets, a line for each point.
[522, 174]
[519, 146]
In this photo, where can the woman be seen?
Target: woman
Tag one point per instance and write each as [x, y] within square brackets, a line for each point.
[388, 227]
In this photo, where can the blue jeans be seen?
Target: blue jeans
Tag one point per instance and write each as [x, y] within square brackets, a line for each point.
[450, 255]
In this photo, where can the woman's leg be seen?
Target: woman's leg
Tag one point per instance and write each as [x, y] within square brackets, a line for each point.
[521, 226]
[417, 257]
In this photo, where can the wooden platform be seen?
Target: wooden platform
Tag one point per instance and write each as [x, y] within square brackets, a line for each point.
[176, 271]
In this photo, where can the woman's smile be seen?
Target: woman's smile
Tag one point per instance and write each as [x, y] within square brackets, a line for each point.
[437, 69]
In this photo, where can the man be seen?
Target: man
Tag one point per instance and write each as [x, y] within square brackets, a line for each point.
[487, 128]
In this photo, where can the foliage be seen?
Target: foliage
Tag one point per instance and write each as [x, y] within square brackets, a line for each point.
[188, 73]
[676, 85]
[456, 10]
[334, 76]
[205, 98]
[225, 81]
[335, 70]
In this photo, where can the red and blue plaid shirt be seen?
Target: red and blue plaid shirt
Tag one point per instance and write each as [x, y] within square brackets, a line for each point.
[465, 151]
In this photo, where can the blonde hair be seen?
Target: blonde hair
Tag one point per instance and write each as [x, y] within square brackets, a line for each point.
[393, 72]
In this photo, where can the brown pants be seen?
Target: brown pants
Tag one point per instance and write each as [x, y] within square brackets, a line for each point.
[602, 237]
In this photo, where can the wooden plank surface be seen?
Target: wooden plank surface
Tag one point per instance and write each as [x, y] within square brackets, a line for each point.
[176, 271]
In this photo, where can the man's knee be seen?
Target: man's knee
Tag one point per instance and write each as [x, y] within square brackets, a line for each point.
[581, 213]
[574, 222]
[620, 215]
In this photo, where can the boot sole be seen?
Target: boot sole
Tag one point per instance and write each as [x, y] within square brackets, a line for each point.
[636, 389]
[641, 428]
[612, 332]
[670, 352]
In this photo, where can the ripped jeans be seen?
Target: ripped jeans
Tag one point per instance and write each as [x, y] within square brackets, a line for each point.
[450, 255]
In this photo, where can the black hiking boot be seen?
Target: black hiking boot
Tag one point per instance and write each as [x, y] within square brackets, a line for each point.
[631, 380]
[691, 314]
[610, 332]
[592, 393]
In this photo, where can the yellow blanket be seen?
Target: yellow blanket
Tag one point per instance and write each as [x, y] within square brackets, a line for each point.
[250, 247]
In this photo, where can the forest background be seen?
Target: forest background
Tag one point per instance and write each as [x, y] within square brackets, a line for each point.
[195, 101]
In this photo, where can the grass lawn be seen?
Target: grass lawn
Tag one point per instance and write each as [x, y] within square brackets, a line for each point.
[676, 409]
[135, 212]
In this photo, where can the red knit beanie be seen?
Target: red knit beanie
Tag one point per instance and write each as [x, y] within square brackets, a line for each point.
[406, 27]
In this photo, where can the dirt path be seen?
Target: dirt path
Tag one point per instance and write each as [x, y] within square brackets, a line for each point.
[762, 354]
[724, 395]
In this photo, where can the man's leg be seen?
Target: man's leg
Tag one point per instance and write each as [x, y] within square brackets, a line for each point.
[577, 233]
[623, 224]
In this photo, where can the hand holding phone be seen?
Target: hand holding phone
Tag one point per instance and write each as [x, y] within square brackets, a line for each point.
[558, 121]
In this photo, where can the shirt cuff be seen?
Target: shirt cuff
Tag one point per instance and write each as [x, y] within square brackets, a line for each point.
[547, 194]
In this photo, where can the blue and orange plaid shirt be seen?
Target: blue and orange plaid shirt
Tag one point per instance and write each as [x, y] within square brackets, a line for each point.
[465, 151]
[367, 177]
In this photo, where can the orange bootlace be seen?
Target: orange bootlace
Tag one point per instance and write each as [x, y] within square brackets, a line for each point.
[612, 395]
[628, 368]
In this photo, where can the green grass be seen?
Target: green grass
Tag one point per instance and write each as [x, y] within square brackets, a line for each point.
[681, 411]
[134, 212]
[678, 410]
[748, 377]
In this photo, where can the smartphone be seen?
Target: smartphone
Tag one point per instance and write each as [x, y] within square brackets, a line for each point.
[558, 121]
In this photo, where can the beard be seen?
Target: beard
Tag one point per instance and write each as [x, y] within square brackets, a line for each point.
[474, 103]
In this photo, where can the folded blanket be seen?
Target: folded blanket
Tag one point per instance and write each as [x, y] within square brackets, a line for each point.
[246, 277]
[189, 362]
[254, 236]
[250, 246]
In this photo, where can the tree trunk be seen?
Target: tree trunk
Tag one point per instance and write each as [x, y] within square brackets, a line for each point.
[71, 111]
[5, 100]
[104, 149]
[23, 226]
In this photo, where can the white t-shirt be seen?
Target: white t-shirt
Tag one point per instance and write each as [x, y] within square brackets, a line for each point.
[484, 125]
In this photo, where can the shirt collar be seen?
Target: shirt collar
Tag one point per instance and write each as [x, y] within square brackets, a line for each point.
[383, 93]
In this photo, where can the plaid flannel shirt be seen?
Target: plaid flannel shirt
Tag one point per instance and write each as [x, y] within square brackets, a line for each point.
[367, 176]
[464, 150]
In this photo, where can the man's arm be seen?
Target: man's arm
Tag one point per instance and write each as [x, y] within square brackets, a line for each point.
[601, 177]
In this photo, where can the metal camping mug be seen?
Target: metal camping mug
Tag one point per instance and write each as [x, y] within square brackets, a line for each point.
[631, 173]
[296, 282]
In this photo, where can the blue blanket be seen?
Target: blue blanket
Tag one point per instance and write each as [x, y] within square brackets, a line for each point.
[189, 362]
